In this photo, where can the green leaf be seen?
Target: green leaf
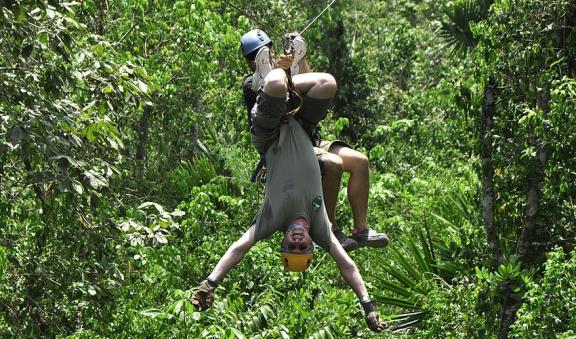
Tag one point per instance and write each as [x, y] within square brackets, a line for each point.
[398, 302]
[156, 313]
[147, 204]
[237, 333]
[43, 38]
[21, 14]
[142, 87]
[77, 186]
[160, 238]
[142, 72]
[98, 50]
[95, 179]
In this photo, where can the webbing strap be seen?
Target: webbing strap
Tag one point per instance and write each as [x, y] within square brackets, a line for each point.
[283, 129]
[258, 168]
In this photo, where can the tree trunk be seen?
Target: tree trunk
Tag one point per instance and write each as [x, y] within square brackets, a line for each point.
[510, 304]
[487, 125]
[529, 252]
[526, 249]
[34, 281]
[565, 35]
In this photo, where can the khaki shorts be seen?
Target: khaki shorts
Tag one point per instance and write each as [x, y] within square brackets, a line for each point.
[325, 146]
[324, 149]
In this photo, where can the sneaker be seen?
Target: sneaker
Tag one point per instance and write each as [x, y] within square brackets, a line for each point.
[299, 54]
[347, 244]
[370, 238]
[263, 67]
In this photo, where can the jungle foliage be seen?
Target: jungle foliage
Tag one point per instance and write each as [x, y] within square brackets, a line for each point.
[125, 163]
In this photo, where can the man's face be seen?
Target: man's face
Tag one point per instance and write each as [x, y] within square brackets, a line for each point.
[297, 240]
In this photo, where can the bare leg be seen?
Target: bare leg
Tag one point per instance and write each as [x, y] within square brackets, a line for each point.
[315, 85]
[276, 83]
[357, 165]
[331, 180]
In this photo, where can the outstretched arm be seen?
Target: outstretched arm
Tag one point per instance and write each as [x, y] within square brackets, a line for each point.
[353, 278]
[234, 254]
[348, 269]
[203, 297]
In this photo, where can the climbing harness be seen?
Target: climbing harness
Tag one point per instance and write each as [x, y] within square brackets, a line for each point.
[289, 49]
[259, 173]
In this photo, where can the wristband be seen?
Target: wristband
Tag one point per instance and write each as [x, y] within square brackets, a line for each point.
[364, 299]
[212, 283]
[368, 306]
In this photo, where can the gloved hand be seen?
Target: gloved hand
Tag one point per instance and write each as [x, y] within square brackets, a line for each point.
[372, 316]
[203, 298]
[374, 322]
[284, 61]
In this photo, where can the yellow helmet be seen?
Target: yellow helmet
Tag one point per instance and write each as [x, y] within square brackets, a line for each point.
[296, 262]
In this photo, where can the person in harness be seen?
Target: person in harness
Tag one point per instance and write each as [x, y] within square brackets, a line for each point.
[334, 157]
[293, 202]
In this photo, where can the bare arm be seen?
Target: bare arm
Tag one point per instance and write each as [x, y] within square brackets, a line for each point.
[304, 67]
[348, 268]
[234, 254]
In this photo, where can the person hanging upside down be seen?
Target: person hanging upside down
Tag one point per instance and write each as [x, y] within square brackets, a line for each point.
[293, 202]
[335, 157]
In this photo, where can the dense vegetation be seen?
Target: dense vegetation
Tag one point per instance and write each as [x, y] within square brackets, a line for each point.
[125, 163]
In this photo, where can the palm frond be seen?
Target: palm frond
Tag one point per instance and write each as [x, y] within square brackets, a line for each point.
[456, 32]
[402, 283]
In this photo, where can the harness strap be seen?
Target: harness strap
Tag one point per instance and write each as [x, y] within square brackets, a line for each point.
[258, 168]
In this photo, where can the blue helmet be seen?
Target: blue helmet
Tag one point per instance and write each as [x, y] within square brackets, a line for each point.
[253, 40]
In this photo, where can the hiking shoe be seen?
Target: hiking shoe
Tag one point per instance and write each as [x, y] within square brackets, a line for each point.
[299, 54]
[263, 67]
[347, 243]
[370, 238]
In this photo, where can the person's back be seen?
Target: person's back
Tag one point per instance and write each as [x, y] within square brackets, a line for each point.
[293, 186]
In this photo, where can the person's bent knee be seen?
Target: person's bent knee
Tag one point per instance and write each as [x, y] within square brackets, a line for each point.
[354, 160]
[333, 165]
[275, 84]
[325, 87]
[329, 83]
[362, 160]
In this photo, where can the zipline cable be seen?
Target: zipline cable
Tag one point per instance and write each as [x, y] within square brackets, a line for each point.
[316, 18]
[259, 23]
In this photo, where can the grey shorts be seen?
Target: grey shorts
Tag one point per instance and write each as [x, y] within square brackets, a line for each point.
[269, 112]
